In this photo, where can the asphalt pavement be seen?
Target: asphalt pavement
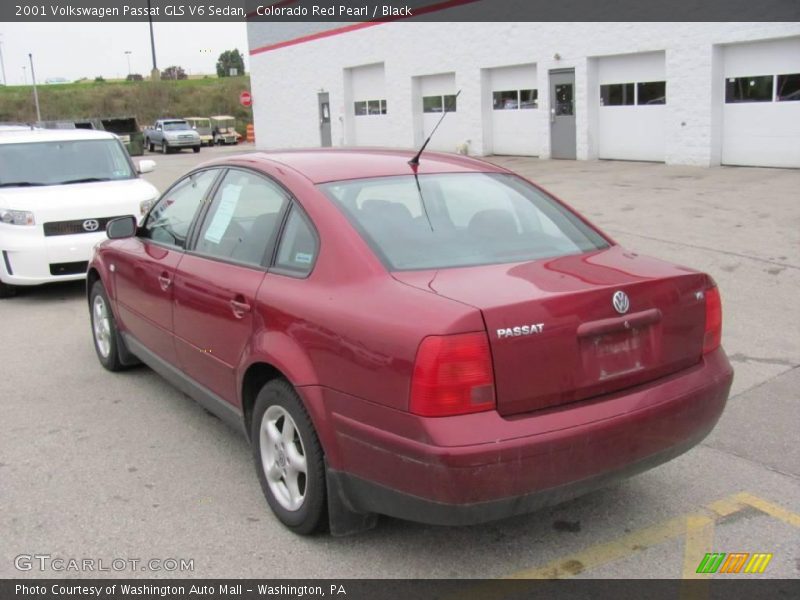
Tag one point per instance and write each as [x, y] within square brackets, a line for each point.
[102, 466]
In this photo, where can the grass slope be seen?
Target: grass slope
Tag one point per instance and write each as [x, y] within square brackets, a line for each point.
[147, 100]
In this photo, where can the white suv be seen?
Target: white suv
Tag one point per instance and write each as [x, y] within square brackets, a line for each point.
[58, 190]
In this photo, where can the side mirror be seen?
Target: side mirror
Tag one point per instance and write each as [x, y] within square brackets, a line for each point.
[145, 166]
[121, 228]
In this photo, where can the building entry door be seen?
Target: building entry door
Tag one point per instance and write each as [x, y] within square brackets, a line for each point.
[562, 114]
[324, 119]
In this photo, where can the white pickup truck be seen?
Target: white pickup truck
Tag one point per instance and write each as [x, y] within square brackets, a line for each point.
[172, 135]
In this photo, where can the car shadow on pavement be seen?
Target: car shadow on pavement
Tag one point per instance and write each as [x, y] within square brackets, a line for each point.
[50, 292]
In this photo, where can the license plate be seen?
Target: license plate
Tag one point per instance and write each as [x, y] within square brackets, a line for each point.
[619, 353]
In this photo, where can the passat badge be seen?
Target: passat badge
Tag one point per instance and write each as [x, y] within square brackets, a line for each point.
[621, 302]
[519, 330]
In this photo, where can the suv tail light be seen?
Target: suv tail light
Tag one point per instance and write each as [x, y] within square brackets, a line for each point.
[713, 330]
[452, 376]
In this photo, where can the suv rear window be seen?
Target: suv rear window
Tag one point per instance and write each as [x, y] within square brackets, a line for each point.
[460, 219]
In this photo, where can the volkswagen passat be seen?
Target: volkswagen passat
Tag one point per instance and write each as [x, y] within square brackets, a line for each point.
[443, 342]
[58, 190]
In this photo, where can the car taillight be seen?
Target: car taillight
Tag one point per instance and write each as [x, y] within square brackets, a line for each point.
[452, 376]
[713, 330]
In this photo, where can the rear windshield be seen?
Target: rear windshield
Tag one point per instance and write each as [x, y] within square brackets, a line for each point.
[460, 219]
[54, 163]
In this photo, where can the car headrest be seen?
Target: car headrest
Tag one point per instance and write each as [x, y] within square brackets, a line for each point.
[493, 222]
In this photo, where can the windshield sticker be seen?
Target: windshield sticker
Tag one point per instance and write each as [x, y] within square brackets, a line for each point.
[222, 218]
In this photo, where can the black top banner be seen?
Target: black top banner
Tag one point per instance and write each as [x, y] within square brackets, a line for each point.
[338, 11]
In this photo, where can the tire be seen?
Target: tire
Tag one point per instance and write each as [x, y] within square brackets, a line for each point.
[196, 149]
[7, 290]
[104, 329]
[164, 148]
[151, 147]
[297, 498]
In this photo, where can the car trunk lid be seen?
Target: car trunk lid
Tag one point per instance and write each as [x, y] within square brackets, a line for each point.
[555, 334]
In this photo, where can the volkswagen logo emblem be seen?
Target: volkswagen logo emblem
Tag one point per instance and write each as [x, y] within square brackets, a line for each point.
[621, 302]
[91, 225]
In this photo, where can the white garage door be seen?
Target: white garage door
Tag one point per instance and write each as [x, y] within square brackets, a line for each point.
[369, 108]
[437, 95]
[514, 100]
[632, 113]
[761, 114]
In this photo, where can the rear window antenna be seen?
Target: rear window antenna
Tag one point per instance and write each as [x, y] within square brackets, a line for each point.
[414, 162]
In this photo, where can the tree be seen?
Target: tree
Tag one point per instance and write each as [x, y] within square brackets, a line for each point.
[230, 59]
[174, 72]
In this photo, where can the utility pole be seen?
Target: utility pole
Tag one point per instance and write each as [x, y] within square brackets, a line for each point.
[35, 93]
[154, 75]
[128, 55]
[2, 64]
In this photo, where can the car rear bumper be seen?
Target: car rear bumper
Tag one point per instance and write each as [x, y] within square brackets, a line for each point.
[481, 467]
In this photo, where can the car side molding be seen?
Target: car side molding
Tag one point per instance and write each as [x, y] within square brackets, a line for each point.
[202, 395]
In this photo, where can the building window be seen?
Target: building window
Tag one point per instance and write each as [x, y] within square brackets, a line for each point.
[515, 99]
[748, 89]
[651, 92]
[435, 104]
[369, 107]
[788, 88]
[529, 98]
[508, 100]
[616, 94]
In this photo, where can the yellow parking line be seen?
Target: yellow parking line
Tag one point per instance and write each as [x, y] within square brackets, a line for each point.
[771, 509]
[699, 541]
[603, 554]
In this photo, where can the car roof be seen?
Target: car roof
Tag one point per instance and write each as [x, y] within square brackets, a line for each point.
[338, 164]
[52, 135]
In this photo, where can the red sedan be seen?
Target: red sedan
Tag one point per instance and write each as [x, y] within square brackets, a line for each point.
[444, 342]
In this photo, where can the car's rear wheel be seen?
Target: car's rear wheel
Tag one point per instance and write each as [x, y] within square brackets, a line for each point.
[6, 290]
[104, 329]
[289, 458]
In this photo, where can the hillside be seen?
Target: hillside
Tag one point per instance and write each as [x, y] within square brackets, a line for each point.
[147, 100]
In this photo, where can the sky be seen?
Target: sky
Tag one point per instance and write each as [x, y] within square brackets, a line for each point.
[75, 50]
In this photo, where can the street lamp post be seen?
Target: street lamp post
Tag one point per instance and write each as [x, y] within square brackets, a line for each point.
[154, 75]
[2, 64]
[128, 55]
[35, 93]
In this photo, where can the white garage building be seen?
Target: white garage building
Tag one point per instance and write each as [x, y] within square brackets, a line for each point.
[682, 93]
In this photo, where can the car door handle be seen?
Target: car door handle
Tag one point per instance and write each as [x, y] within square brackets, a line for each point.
[164, 281]
[239, 307]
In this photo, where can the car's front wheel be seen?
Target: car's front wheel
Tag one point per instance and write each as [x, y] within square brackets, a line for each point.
[104, 329]
[164, 148]
[196, 149]
[289, 458]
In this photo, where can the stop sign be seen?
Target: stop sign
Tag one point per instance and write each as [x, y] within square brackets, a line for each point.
[245, 99]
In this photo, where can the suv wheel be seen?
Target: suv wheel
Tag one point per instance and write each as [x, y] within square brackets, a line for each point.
[196, 149]
[288, 458]
[104, 329]
[164, 148]
[151, 147]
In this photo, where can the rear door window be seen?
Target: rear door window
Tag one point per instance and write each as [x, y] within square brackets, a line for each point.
[298, 248]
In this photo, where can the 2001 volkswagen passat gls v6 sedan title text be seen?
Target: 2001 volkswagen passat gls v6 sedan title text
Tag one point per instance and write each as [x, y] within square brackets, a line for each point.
[442, 342]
